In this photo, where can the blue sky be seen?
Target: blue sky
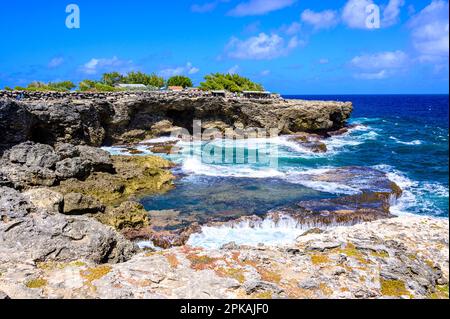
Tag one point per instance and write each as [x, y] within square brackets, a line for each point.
[290, 46]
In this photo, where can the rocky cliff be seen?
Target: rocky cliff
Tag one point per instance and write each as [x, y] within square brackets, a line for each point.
[98, 119]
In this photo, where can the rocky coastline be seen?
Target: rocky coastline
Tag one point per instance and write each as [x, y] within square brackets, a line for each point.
[69, 213]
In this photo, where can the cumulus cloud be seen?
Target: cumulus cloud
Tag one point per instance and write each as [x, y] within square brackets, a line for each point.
[354, 13]
[261, 47]
[96, 66]
[205, 7]
[320, 20]
[187, 69]
[379, 65]
[391, 13]
[430, 31]
[55, 62]
[259, 7]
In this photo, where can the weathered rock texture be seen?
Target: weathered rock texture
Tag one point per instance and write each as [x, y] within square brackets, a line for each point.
[406, 257]
[111, 118]
[30, 233]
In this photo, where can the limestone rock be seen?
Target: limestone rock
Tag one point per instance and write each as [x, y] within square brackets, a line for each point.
[46, 199]
[127, 215]
[79, 204]
[27, 233]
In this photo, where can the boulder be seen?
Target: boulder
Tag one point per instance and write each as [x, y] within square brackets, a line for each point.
[28, 233]
[98, 159]
[79, 204]
[127, 215]
[72, 168]
[46, 199]
[32, 154]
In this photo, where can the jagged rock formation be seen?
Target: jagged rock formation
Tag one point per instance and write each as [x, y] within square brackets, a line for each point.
[30, 233]
[116, 118]
[405, 257]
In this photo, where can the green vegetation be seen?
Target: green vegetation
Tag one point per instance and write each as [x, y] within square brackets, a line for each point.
[51, 86]
[108, 82]
[151, 80]
[229, 82]
[112, 78]
[180, 80]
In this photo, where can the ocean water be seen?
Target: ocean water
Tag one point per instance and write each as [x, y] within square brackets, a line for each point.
[406, 136]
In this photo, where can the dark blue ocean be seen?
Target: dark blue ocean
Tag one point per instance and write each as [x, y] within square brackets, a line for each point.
[407, 136]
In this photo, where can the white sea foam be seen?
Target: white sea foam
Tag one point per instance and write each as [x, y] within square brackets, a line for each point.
[416, 196]
[194, 165]
[267, 231]
[415, 142]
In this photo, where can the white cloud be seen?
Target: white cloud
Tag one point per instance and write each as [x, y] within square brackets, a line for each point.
[320, 20]
[391, 13]
[205, 7]
[372, 76]
[55, 62]
[265, 73]
[354, 13]
[430, 31]
[259, 7]
[261, 47]
[293, 28]
[233, 70]
[95, 66]
[187, 69]
[324, 61]
[379, 65]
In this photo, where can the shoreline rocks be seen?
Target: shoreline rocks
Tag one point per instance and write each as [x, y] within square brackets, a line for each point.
[123, 118]
[402, 257]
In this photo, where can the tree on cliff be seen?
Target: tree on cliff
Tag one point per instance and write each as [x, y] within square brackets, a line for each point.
[112, 78]
[180, 80]
[229, 82]
[142, 78]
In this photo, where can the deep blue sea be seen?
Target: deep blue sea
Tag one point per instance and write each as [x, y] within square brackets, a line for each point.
[405, 136]
[408, 139]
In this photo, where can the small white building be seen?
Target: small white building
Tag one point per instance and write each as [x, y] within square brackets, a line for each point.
[135, 87]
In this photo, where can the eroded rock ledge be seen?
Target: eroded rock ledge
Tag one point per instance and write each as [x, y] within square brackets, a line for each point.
[98, 119]
[404, 257]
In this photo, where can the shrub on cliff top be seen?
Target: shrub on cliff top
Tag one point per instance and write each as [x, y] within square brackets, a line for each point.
[229, 82]
[142, 78]
[180, 80]
[112, 78]
[37, 86]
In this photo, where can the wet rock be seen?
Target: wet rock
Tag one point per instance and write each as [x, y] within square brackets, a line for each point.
[46, 199]
[79, 204]
[311, 142]
[374, 193]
